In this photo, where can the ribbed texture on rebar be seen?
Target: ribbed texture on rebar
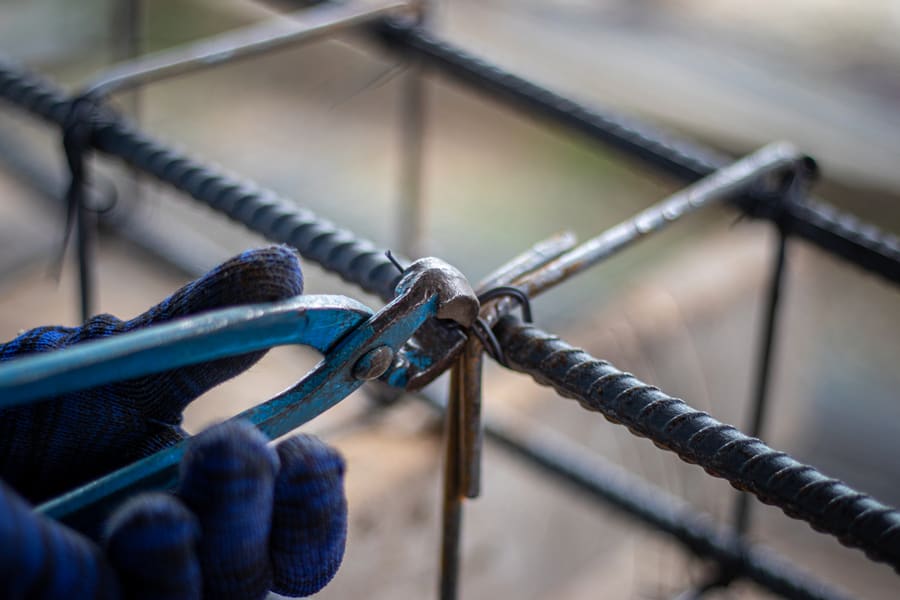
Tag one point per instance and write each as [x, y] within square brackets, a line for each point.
[842, 234]
[800, 490]
[275, 218]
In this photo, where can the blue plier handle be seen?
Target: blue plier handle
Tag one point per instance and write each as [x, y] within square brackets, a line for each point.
[357, 345]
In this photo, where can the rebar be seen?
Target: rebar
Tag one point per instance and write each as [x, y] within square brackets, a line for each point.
[562, 460]
[263, 211]
[253, 40]
[764, 367]
[773, 159]
[837, 232]
[802, 492]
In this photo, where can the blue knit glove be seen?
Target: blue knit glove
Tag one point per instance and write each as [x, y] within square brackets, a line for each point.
[246, 519]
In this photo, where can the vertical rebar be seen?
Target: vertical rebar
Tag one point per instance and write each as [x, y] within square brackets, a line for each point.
[411, 217]
[742, 509]
[470, 419]
[451, 513]
[743, 506]
[125, 39]
[124, 26]
[126, 45]
[85, 233]
[462, 458]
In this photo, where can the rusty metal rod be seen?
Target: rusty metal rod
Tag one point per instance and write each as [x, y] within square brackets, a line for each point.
[470, 419]
[313, 23]
[537, 256]
[721, 185]
[451, 500]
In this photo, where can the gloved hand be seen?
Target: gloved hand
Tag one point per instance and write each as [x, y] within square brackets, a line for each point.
[245, 520]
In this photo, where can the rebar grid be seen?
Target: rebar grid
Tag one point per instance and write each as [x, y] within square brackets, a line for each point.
[801, 491]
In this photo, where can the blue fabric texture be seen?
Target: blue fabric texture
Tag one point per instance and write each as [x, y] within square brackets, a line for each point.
[53, 446]
[151, 543]
[229, 482]
[41, 559]
[246, 518]
[309, 521]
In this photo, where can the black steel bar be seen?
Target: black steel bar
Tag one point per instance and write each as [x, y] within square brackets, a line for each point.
[743, 505]
[839, 233]
[85, 239]
[830, 506]
[764, 368]
[76, 147]
[338, 250]
[602, 481]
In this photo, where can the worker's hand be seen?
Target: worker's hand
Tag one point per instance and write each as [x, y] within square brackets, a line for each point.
[246, 519]
[52, 446]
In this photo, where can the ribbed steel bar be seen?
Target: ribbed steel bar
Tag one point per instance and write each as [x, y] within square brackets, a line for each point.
[557, 457]
[801, 491]
[560, 459]
[276, 218]
[839, 233]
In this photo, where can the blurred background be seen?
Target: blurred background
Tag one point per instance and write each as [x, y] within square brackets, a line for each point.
[322, 124]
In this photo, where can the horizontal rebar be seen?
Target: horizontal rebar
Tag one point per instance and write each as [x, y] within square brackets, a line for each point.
[801, 491]
[263, 211]
[253, 40]
[719, 186]
[839, 233]
[603, 481]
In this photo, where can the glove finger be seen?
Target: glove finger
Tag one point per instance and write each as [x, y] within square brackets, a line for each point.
[309, 521]
[151, 542]
[261, 275]
[227, 480]
[42, 559]
[51, 447]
